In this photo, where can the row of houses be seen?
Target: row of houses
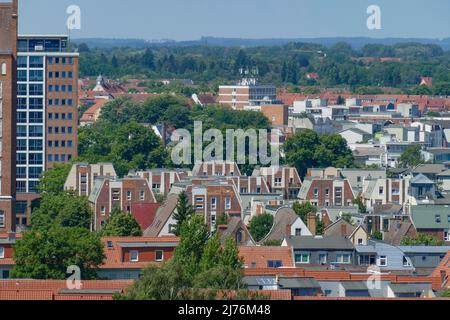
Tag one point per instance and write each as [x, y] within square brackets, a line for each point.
[306, 266]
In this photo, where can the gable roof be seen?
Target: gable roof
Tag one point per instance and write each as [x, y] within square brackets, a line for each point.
[162, 216]
[422, 179]
[284, 218]
[144, 213]
[234, 223]
[340, 228]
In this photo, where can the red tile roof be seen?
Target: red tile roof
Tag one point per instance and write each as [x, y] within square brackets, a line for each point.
[261, 255]
[144, 213]
[114, 254]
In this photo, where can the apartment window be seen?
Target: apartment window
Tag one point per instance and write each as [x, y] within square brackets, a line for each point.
[109, 244]
[437, 218]
[274, 264]
[2, 253]
[278, 182]
[142, 195]
[22, 89]
[134, 256]
[213, 203]
[382, 261]
[36, 117]
[69, 130]
[243, 190]
[21, 158]
[103, 210]
[316, 192]
[159, 255]
[381, 190]
[36, 103]
[35, 172]
[70, 74]
[50, 158]
[21, 103]
[323, 258]
[36, 62]
[116, 195]
[22, 75]
[70, 88]
[358, 179]
[36, 75]
[302, 258]
[36, 131]
[227, 203]
[128, 195]
[21, 145]
[21, 186]
[21, 173]
[343, 258]
[35, 89]
[21, 117]
[298, 232]
[22, 62]
[447, 235]
[327, 192]
[36, 158]
[448, 218]
[406, 262]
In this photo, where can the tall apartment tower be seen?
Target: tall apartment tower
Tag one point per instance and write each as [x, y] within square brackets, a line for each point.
[8, 56]
[47, 118]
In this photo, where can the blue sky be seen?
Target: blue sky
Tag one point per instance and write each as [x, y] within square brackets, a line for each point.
[191, 19]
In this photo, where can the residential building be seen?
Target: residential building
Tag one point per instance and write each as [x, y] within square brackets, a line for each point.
[82, 177]
[126, 257]
[327, 192]
[282, 180]
[321, 250]
[355, 136]
[124, 194]
[286, 224]
[47, 112]
[161, 180]
[216, 168]
[8, 107]
[432, 220]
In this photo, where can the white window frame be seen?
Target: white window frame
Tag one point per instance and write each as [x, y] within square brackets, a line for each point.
[103, 210]
[228, 203]
[380, 261]
[134, 253]
[341, 258]
[302, 261]
[447, 235]
[213, 203]
[2, 252]
[142, 195]
[129, 194]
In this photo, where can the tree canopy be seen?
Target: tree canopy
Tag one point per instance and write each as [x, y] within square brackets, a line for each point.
[422, 240]
[412, 157]
[46, 254]
[260, 226]
[121, 224]
[307, 149]
[200, 268]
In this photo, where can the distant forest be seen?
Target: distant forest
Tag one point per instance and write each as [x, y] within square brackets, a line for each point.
[288, 65]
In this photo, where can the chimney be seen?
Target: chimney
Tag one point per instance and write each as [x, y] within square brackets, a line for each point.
[312, 224]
